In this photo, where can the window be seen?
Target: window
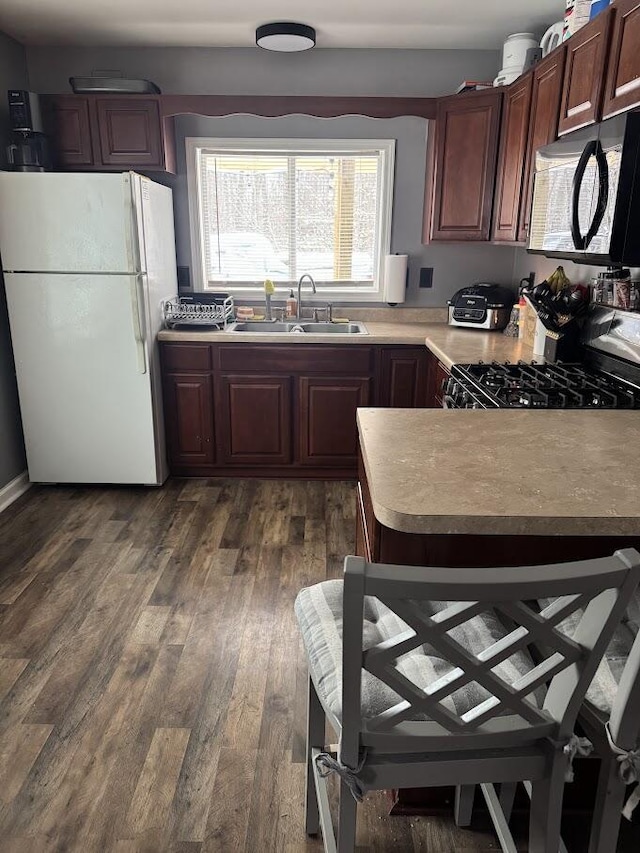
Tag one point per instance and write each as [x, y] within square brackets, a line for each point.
[280, 208]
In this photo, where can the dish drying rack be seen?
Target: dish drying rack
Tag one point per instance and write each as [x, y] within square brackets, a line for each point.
[186, 312]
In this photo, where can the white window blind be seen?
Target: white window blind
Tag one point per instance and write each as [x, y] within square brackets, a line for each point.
[286, 210]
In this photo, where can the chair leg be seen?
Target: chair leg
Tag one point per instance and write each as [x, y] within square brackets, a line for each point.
[463, 807]
[606, 813]
[315, 738]
[507, 796]
[347, 821]
[546, 809]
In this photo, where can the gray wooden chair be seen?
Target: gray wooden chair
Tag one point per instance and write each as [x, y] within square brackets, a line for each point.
[612, 723]
[610, 717]
[416, 674]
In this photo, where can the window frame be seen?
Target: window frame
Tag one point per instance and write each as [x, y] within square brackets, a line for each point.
[243, 290]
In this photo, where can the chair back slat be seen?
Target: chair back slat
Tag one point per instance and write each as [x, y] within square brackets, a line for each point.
[598, 589]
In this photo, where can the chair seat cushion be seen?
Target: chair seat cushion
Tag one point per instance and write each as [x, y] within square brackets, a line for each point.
[319, 613]
[602, 690]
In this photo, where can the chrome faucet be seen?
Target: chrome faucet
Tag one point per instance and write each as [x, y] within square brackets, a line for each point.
[313, 287]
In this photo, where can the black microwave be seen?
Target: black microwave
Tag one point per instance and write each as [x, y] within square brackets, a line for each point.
[586, 195]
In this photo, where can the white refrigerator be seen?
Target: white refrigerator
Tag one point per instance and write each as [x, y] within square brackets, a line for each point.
[87, 261]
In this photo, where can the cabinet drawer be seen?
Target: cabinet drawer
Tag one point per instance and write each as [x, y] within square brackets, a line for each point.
[186, 356]
[295, 359]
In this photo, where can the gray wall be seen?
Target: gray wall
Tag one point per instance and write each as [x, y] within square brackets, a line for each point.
[318, 72]
[453, 266]
[542, 267]
[251, 71]
[13, 73]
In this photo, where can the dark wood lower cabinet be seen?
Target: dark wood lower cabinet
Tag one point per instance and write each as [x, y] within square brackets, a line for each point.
[188, 399]
[403, 377]
[437, 375]
[327, 410]
[281, 410]
[254, 420]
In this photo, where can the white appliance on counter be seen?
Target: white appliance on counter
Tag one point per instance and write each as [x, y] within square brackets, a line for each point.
[88, 261]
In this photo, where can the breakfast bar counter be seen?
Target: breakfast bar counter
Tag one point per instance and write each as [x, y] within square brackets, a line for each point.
[497, 487]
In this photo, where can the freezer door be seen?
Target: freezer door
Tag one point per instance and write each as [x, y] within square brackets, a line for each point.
[83, 380]
[55, 222]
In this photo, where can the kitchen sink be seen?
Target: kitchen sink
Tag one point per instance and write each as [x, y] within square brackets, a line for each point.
[268, 328]
[262, 327]
[335, 328]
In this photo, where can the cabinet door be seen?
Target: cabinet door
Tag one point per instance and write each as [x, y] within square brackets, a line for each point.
[328, 429]
[622, 89]
[543, 124]
[254, 420]
[188, 405]
[403, 378]
[584, 71]
[130, 132]
[513, 147]
[465, 166]
[71, 128]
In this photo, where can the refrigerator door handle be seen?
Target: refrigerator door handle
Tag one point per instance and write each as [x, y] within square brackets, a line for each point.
[131, 223]
[138, 322]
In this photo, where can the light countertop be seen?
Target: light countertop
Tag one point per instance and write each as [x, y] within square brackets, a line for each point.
[503, 471]
[379, 333]
[455, 345]
[450, 345]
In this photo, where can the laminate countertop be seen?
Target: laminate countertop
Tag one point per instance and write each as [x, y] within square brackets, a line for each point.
[455, 345]
[450, 345]
[503, 472]
[378, 333]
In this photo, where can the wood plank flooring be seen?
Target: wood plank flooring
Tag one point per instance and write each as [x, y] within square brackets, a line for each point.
[152, 682]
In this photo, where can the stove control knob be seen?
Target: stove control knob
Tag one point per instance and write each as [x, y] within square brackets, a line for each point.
[448, 386]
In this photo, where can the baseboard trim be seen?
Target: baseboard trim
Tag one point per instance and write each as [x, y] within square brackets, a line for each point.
[14, 488]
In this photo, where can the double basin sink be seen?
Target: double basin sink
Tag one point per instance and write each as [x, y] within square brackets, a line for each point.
[302, 328]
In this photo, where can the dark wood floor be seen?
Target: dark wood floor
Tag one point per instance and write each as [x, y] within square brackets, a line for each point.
[152, 682]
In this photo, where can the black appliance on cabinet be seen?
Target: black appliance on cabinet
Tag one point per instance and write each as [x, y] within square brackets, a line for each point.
[586, 197]
[28, 150]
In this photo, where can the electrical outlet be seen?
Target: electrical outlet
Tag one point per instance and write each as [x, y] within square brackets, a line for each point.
[426, 276]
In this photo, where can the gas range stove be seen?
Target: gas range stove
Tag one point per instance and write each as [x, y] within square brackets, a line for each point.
[607, 378]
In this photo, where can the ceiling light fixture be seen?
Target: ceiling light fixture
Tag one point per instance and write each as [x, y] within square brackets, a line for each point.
[285, 37]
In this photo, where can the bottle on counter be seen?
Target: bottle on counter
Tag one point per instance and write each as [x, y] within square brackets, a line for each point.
[292, 305]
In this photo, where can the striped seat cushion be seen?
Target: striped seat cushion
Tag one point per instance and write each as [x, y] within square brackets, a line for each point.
[602, 690]
[319, 612]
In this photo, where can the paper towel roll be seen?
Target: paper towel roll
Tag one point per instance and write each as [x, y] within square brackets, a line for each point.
[395, 278]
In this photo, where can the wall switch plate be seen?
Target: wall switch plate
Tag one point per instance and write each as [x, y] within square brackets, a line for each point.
[426, 276]
[184, 278]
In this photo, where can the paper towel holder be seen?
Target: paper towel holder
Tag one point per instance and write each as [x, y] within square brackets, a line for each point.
[398, 301]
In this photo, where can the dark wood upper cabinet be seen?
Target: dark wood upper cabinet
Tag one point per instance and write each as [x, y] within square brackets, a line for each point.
[254, 420]
[130, 132]
[587, 52]
[104, 133]
[622, 88]
[403, 378]
[464, 166]
[543, 124]
[511, 160]
[71, 129]
[188, 405]
[327, 418]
